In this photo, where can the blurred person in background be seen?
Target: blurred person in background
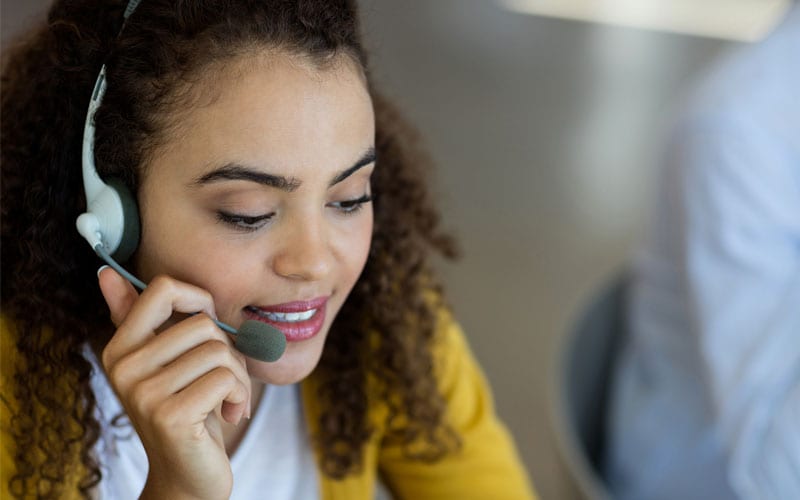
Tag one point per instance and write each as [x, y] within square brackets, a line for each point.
[706, 403]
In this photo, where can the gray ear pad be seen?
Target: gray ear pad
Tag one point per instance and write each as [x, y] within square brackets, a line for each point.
[130, 214]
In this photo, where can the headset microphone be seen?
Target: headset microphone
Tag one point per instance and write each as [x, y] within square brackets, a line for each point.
[111, 226]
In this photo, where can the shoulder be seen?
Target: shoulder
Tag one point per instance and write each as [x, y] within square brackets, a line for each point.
[751, 87]
[460, 378]
[487, 459]
[452, 356]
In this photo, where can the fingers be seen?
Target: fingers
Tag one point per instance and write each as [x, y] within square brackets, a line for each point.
[196, 401]
[168, 345]
[190, 367]
[152, 370]
[199, 393]
[157, 303]
[120, 295]
[201, 360]
[172, 360]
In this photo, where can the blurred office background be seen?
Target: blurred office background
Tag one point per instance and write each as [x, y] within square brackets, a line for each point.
[546, 118]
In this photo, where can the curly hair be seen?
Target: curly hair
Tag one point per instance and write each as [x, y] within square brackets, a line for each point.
[385, 330]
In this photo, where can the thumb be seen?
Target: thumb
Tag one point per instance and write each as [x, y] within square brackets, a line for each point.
[118, 292]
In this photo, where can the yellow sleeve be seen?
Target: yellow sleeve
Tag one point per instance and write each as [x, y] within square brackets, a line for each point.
[487, 465]
[7, 360]
[9, 365]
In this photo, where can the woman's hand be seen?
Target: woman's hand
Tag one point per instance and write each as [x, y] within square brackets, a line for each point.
[175, 385]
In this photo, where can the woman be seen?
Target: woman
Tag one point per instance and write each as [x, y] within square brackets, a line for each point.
[248, 133]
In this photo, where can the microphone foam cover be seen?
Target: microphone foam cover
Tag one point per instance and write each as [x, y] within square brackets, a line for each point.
[260, 341]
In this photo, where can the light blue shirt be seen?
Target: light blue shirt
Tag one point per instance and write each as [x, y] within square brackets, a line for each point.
[707, 397]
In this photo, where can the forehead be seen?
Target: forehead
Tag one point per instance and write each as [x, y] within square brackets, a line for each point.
[271, 109]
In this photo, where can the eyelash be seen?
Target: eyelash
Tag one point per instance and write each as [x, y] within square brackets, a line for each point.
[352, 207]
[247, 223]
[244, 223]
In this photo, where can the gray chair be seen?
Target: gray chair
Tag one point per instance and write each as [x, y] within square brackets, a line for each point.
[581, 385]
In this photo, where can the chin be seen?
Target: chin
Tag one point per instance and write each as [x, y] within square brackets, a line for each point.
[295, 365]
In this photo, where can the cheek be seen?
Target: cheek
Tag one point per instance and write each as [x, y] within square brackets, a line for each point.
[194, 257]
[159, 250]
[169, 239]
[235, 278]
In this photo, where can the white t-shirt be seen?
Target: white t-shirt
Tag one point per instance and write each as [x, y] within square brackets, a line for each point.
[274, 459]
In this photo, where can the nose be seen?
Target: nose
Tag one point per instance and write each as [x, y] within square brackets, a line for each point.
[305, 253]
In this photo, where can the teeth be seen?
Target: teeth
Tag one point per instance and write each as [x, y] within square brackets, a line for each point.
[288, 317]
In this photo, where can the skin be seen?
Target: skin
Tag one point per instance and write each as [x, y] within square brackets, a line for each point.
[183, 385]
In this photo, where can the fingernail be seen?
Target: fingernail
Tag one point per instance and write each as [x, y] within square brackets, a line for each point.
[100, 269]
[247, 414]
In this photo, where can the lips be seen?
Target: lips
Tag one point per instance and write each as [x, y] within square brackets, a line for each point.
[299, 320]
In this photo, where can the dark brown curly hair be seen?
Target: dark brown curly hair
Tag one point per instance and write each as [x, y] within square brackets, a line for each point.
[48, 286]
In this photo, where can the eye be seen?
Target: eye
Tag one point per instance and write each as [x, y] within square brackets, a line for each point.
[244, 222]
[350, 207]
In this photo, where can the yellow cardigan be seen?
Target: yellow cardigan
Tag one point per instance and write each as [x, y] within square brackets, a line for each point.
[486, 467]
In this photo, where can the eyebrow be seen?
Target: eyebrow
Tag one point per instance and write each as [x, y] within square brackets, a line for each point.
[368, 157]
[239, 172]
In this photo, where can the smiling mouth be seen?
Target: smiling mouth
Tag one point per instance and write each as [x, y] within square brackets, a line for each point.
[279, 317]
[299, 320]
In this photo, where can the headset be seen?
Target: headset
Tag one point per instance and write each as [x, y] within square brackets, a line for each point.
[111, 227]
[111, 221]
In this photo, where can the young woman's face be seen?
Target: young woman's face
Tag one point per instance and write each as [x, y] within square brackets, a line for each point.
[259, 196]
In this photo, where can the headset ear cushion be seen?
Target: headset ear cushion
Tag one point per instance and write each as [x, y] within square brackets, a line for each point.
[130, 214]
